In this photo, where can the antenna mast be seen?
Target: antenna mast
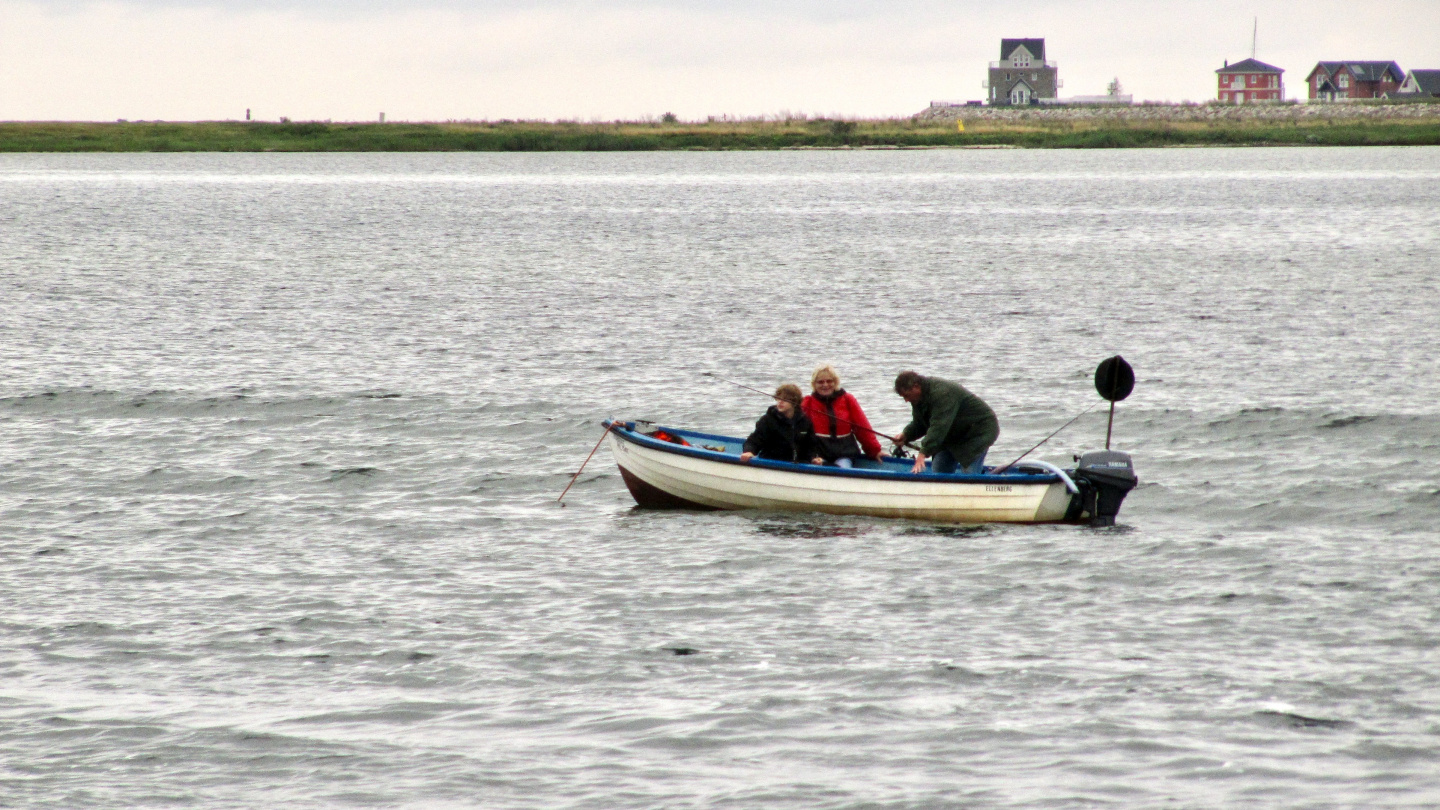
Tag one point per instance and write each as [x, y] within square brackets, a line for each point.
[1254, 35]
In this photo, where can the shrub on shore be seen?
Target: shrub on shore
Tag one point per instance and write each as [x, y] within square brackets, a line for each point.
[666, 134]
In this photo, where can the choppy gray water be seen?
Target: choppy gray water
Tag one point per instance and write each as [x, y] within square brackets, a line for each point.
[281, 435]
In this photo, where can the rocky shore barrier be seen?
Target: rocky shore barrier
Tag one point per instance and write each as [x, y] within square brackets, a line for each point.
[1031, 128]
[1142, 114]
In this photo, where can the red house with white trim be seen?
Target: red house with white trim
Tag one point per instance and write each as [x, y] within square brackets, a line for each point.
[1250, 81]
[1332, 81]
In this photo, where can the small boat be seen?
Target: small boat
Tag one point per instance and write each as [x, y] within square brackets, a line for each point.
[673, 468]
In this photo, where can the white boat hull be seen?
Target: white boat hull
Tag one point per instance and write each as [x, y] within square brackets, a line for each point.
[662, 477]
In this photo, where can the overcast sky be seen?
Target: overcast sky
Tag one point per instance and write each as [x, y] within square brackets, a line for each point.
[554, 59]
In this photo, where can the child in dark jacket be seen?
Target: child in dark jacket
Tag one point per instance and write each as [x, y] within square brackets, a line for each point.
[784, 433]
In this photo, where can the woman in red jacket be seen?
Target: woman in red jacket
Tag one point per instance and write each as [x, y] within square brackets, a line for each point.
[840, 426]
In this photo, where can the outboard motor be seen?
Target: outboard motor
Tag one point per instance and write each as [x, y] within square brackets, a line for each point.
[1106, 477]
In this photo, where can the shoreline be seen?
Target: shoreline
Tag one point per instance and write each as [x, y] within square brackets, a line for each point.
[1412, 125]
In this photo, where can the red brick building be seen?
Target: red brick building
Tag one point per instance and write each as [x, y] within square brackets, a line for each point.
[1250, 81]
[1332, 81]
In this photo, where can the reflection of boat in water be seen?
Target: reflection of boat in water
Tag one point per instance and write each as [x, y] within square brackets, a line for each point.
[685, 469]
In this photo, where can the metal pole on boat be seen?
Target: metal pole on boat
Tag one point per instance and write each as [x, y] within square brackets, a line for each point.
[561, 499]
[1114, 380]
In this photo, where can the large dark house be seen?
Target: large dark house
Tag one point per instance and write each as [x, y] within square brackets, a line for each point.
[1335, 81]
[1022, 76]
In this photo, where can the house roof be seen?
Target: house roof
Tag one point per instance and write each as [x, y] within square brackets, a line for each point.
[1036, 47]
[1250, 66]
[1429, 81]
[1362, 71]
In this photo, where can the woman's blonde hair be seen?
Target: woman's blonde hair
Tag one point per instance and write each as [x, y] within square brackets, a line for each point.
[825, 371]
[789, 392]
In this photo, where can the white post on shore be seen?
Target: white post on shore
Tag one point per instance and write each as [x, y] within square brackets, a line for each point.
[382, 117]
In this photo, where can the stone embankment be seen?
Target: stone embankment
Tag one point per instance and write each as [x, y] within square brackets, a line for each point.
[1187, 113]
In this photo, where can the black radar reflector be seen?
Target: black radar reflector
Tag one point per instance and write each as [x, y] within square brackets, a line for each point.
[1114, 378]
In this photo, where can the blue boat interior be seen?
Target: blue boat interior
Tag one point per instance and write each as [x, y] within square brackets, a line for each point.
[729, 448]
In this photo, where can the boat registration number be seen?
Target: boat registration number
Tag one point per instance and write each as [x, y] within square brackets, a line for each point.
[999, 488]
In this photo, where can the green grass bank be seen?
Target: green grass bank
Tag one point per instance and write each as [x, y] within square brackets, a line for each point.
[528, 136]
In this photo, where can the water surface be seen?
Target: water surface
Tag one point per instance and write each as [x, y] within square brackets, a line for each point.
[281, 435]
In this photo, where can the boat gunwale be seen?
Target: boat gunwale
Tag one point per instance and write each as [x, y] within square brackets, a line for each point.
[636, 437]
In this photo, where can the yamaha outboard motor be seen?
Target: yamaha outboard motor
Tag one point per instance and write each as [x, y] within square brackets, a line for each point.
[1105, 478]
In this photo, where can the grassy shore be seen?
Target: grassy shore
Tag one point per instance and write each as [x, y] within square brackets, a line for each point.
[528, 136]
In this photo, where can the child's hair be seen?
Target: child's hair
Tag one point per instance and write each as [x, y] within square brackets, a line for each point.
[790, 392]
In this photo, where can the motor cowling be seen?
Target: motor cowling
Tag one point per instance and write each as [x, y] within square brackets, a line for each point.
[1106, 477]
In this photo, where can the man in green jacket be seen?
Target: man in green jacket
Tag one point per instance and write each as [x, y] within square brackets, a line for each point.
[955, 427]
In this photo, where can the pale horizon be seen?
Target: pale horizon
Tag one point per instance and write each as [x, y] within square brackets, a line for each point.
[636, 60]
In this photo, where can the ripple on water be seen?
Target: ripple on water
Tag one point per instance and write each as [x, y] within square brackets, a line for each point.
[281, 439]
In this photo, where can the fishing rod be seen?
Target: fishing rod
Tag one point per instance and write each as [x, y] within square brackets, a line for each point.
[1114, 380]
[999, 470]
[894, 440]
